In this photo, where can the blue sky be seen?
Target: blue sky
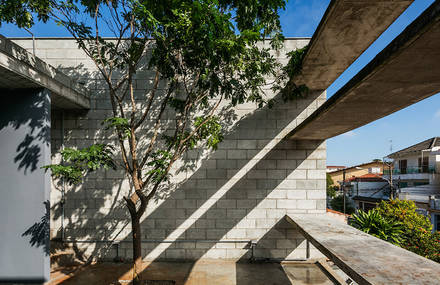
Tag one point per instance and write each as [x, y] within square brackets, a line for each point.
[401, 129]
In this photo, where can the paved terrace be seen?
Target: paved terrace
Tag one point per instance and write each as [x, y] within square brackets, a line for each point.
[405, 72]
[366, 259]
[19, 69]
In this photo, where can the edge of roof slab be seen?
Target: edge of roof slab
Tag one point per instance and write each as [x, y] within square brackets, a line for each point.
[345, 31]
[22, 69]
[403, 73]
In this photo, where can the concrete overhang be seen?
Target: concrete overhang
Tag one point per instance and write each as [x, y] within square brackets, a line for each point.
[403, 73]
[366, 259]
[19, 69]
[347, 29]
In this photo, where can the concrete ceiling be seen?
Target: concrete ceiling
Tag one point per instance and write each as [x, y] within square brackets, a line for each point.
[347, 29]
[405, 72]
[19, 70]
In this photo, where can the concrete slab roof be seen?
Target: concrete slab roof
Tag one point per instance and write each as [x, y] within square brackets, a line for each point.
[366, 259]
[20, 69]
[347, 29]
[403, 73]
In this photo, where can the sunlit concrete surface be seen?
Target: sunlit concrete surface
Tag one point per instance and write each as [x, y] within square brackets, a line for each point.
[207, 272]
[19, 69]
[366, 259]
[347, 29]
[405, 72]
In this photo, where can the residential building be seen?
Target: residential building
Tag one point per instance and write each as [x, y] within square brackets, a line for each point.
[415, 171]
[374, 167]
[416, 165]
[332, 168]
[367, 190]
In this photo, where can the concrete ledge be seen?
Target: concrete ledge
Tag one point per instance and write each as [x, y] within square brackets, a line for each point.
[20, 69]
[366, 259]
[403, 73]
[346, 30]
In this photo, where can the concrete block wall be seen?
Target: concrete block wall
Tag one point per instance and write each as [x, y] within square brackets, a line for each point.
[217, 202]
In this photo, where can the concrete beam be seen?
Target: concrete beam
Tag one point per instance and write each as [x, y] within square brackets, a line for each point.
[347, 29]
[403, 73]
[19, 69]
[366, 259]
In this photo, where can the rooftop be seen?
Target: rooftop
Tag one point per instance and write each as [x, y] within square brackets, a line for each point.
[424, 145]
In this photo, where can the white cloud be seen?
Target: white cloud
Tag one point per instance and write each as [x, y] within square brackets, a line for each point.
[349, 134]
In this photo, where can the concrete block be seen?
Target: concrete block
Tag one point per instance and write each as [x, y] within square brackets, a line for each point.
[316, 194]
[230, 204]
[257, 214]
[316, 174]
[246, 144]
[297, 194]
[236, 154]
[306, 204]
[286, 204]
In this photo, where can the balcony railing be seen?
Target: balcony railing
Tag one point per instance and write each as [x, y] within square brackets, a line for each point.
[410, 170]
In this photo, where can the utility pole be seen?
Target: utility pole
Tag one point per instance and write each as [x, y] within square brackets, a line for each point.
[391, 181]
[343, 187]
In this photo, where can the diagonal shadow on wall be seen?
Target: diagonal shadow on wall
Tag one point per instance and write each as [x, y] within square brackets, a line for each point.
[234, 193]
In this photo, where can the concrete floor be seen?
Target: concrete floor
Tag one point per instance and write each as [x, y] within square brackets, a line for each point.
[209, 272]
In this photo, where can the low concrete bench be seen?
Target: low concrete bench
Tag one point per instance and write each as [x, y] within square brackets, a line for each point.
[366, 259]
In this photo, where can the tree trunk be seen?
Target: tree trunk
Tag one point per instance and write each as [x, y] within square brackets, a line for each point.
[137, 248]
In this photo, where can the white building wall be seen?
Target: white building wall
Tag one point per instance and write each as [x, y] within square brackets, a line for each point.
[239, 193]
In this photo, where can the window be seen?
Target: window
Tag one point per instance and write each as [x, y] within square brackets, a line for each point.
[403, 165]
[424, 164]
[374, 170]
[437, 222]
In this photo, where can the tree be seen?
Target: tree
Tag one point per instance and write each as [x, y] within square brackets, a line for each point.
[204, 53]
[331, 189]
[337, 204]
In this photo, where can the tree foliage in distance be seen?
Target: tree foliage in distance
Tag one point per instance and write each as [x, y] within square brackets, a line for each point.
[373, 223]
[330, 187]
[337, 204]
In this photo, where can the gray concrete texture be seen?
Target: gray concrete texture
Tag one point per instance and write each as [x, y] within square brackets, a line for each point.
[20, 69]
[405, 72]
[216, 202]
[366, 259]
[24, 187]
[347, 29]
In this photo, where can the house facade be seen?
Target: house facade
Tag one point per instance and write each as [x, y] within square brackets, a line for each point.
[416, 165]
[355, 171]
[416, 172]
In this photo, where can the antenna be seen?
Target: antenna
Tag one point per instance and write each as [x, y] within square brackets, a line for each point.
[391, 146]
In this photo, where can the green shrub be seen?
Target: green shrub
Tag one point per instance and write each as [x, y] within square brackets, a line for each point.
[376, 225]
[337, 204]
[417, 235]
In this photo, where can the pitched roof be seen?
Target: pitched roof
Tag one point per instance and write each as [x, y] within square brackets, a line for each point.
[359, 165]
[426, 144]
[335, 166]
[369, 177]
